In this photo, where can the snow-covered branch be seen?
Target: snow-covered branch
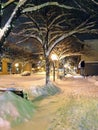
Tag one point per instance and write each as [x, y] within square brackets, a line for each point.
[95, 2]
[70, 54]
[7, 26]
[84, 27]
[32, 36]
[31, 9]
[34, 21]
[78, 5]
[7, 4]
[55, 19]
[60, 39]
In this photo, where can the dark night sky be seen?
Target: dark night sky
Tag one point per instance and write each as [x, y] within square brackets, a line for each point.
[68, 2]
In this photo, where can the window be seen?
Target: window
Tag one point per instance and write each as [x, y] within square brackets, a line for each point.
[9, 67]
[0, 66]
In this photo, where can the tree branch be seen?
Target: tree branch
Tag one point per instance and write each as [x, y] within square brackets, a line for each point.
[60, 39]
[31, 9]
[7, 26]
[95, 2]
[7, 4]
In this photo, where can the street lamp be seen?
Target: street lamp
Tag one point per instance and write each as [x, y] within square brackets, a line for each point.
[17, 65]
[54, 58]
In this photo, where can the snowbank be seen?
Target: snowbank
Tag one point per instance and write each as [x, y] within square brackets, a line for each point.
[49, 89]
[14, 110]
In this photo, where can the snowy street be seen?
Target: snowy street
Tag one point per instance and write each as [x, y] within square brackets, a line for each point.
[70, 85]
[82, 92]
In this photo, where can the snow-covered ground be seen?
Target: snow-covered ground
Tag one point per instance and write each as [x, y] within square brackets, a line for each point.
[76, 93]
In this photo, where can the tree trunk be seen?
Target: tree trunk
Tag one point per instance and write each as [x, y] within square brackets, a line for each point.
[57, 69]
[47, 69]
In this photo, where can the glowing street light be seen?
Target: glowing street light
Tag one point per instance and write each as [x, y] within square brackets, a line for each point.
[17, 65]
[54, 57]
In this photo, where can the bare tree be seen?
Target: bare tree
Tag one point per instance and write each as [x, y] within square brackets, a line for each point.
[50, 26]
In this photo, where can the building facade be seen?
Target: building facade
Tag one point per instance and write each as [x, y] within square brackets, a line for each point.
[9, 67]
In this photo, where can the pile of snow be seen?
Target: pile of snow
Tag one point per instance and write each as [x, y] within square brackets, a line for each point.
[49, 89]
[26, 73]
[73, 76]
[14, 110]
[93, 79]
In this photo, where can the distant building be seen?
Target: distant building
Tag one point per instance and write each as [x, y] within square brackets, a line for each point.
[91, 68]
[91, 60]
[8, 67]
[5, 66]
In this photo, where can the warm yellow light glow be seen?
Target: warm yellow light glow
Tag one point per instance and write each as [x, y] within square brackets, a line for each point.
[38, 67]
[16, 65]
[41, 57]
[54, 57]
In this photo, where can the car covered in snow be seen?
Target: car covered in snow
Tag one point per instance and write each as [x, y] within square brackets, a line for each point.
[26, 73]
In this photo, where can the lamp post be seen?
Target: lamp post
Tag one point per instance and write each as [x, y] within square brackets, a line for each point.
[54, 58]
[17, 65]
